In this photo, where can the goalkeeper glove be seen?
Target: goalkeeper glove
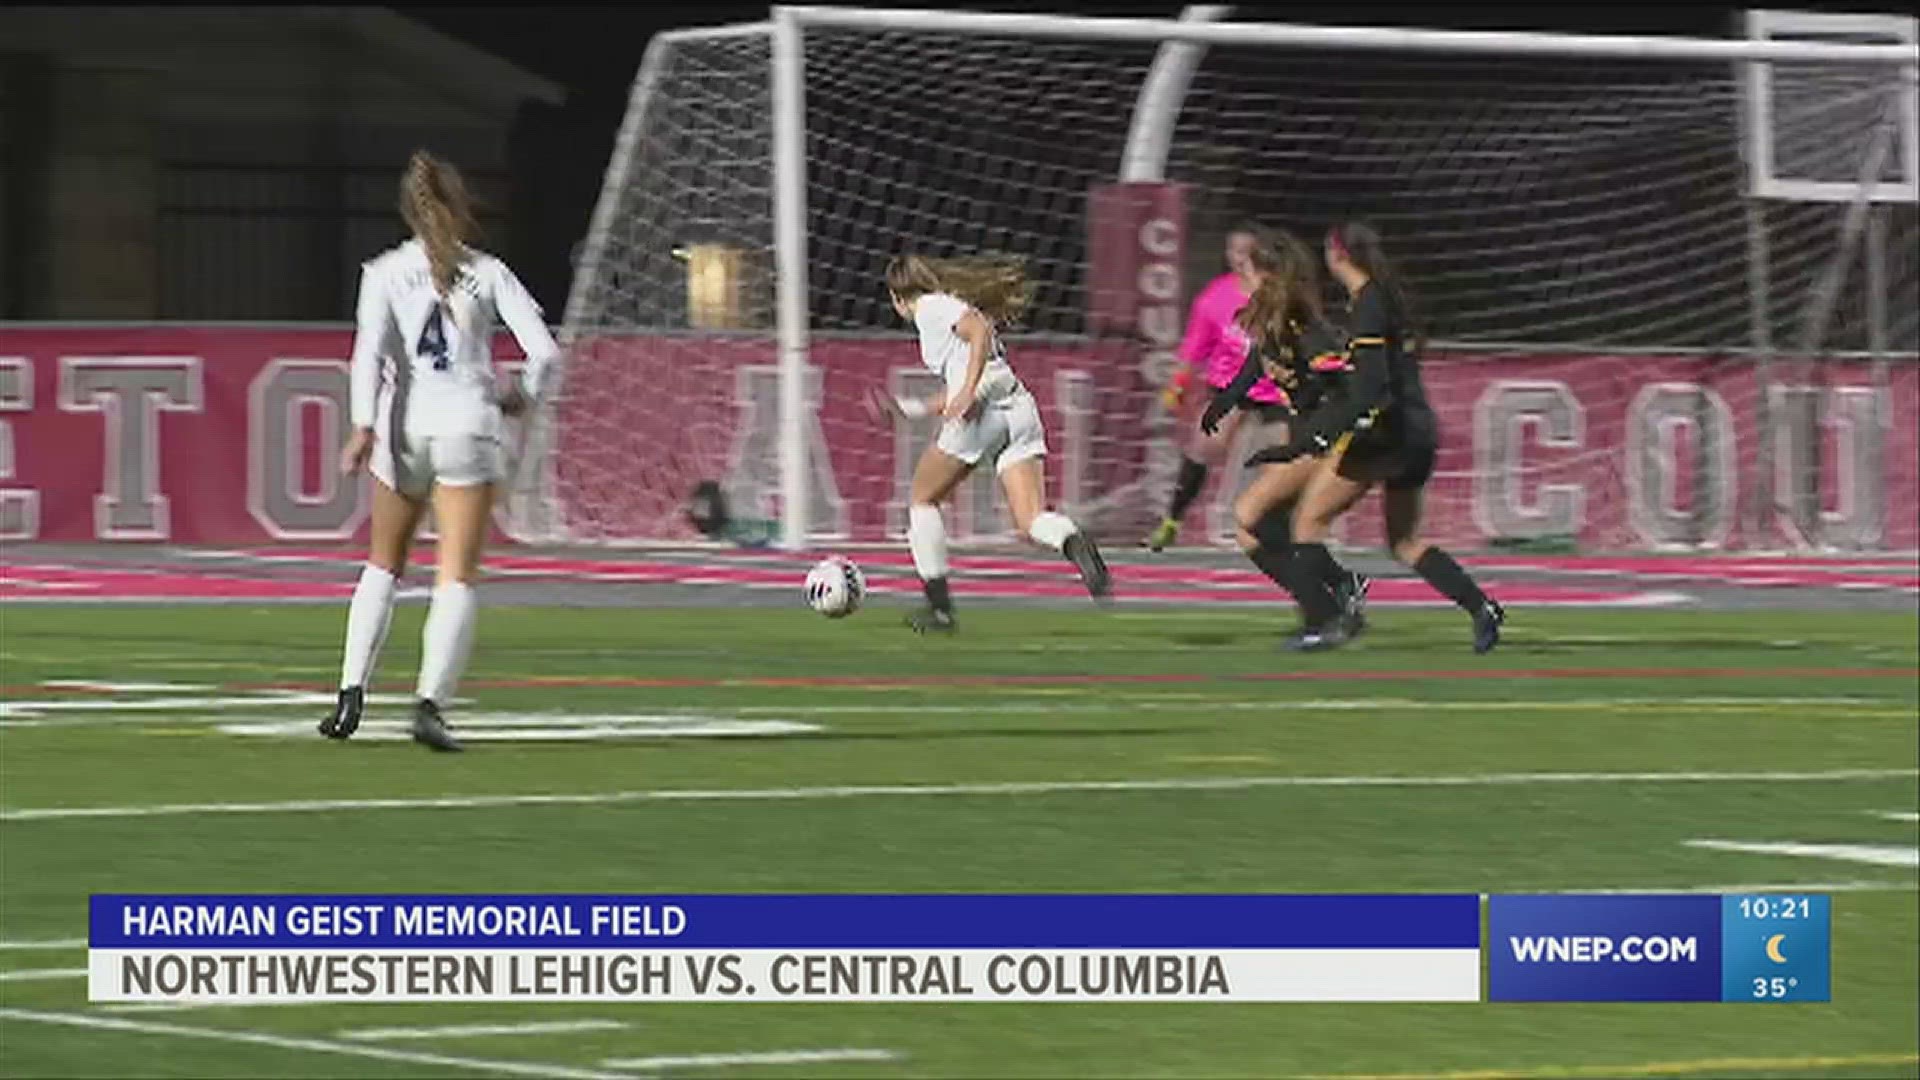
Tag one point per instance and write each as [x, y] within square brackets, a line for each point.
[1176, 390]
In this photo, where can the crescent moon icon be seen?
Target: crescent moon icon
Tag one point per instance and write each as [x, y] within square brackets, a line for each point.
[1773, 948]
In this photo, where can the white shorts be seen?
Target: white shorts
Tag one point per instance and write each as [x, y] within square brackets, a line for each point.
[426, 460]
[1013, 420]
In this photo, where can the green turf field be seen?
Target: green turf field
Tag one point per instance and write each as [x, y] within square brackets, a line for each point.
[1586, 754]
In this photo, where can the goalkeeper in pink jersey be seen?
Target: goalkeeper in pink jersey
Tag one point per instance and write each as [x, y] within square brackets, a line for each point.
[1217, 345]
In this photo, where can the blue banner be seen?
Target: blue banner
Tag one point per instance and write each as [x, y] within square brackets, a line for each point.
[1776, 948]
[786, 922]
[1657, 948]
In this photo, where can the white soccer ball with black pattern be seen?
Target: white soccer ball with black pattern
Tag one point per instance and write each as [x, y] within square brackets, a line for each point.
[836, 587]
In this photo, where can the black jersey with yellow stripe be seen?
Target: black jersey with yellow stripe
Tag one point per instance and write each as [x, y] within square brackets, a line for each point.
[1304, 362]
[1379, 394]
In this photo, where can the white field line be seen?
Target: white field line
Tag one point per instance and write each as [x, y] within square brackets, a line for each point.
[769, 1057]
[142, 712]
[1870, 854]
[966, 790]
[49, 944]
[470, 1031]
[1737, 890]
[315, 1046]
[42, 974]
[1897, 815]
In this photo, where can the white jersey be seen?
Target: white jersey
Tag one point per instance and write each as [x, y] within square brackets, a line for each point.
[433, 355]
[946, 353]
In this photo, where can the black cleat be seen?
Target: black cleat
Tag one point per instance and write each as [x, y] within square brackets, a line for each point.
[1326, 638]
[1486, 625]
[430, 730]
[1085, 556]
[345, 718]
[1351, 594]
[932, 620]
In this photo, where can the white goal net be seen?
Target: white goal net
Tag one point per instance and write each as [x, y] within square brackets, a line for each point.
[1623, 334]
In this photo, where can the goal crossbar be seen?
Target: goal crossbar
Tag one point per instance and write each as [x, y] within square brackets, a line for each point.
[1264, 34]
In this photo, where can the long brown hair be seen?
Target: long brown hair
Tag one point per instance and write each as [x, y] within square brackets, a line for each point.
[996, 285]
[1361, 244]
[1288, 297]
[435, 205]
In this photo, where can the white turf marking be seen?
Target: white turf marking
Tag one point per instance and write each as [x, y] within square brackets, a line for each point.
[126, 687]
[1870, 854]
[267, 698]
[771, 1057]
[973, 790]
[141, 712]
[42, 974]
[468, 1031]
[1739, 890]
[317, 1046]
[1898, 815]
[49, 944]
[548, 727]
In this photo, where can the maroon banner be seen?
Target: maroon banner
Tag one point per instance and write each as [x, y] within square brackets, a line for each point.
[228, 436]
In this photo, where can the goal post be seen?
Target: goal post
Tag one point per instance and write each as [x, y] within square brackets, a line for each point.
[1601, 269]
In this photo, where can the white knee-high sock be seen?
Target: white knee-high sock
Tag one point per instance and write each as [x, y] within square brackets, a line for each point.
[1052, 529]
[367, 620]
[446, 640]
[927, 539]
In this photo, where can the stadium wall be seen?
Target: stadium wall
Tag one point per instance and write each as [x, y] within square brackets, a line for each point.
[227, 435]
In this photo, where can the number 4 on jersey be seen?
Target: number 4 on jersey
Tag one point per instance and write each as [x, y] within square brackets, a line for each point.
[433, 341]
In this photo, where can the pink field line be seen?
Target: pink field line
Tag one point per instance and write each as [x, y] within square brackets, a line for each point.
[1767, 572]
[59, 582]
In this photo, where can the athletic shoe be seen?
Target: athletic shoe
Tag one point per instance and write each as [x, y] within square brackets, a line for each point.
[1326, 638]
[1085, 555]
[1486, 625]
[1163, 535]
[345, 718]
[1352, 596]
[430, 730]
[931, 620]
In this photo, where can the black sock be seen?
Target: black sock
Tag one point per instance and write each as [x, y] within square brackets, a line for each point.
[937, 595]
[1193, 477]
[1312, 572]
[1449, 580]
[1275, 534]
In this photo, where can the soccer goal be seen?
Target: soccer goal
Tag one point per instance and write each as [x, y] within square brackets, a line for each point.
[1667, 282]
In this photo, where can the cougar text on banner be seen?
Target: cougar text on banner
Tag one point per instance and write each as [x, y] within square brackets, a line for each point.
[1052, 948]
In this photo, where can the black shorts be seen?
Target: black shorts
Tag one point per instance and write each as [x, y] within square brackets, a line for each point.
[1396, 463]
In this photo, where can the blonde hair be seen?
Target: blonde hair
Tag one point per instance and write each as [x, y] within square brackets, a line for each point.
[435, 205]
[1288, 297]
[996, 285]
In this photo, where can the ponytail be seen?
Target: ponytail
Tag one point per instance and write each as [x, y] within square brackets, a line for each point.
[435, 205]
[1362, 246]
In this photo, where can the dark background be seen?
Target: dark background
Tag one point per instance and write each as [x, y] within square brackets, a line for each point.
[560, 153]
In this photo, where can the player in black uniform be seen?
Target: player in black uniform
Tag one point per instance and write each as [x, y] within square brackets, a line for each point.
[1376, 428]
[1292, 342]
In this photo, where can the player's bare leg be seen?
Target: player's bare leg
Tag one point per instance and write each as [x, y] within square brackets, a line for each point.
[461, 512]
[1312, 571]
[934, 479]
[1403, 508]
[395, 519]
[1203, 453]
[1025, 483]
[1262, 516]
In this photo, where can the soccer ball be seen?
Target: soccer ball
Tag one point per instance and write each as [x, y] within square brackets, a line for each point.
[835, 587]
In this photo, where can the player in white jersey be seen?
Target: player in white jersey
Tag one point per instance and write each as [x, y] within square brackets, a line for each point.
[956, 305]
[427, 423]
